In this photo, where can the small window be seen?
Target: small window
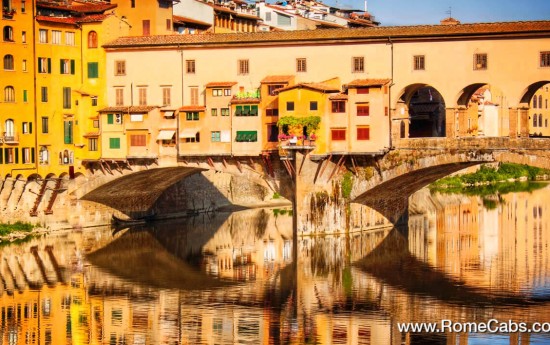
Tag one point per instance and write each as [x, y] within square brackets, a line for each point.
[243, 67]
[44, 65]
[419, 63]
[43, 36]
[271, 88]
[142, 96]
[67, 66]
[166, 96]
[545, 59]
[301, 65]
[45, 125]
[24, 65]
[216, 136]
[69, 38]
[363, 133]
[190, 66]
[44, 94]
[92, 39]
[94, 101]
[272, 112]
[338, 134]
[114, 143]
[66, 98]
[138, 140]
[358, 64]
[227, 92]
[268, 16]
[92, 144]
[480, 61]
[338, 106]
[168, 25]
[272, 132]
[363, 110]
[93, 70]
[214, 111]
[23, 37]
[290, 106]
[119, 96]
[363, 90]
[225, 111]
[8, 34]
[8, 62]
[192, 116]
[217, 92]
[56, 37]
[120, 67]
[313, 105]
[9, 94]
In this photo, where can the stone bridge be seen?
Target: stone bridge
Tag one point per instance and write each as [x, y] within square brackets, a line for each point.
[323, 187]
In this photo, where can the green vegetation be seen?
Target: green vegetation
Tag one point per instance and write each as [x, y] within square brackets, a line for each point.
[489, 175]
[276, 195]
[7, 228]
[347, 184]
[281, 212]
[295, 124]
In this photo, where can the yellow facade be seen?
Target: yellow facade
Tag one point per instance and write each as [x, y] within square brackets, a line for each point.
[145, 18]
[539, 113]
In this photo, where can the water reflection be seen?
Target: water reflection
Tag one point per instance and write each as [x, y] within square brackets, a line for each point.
[230, 279]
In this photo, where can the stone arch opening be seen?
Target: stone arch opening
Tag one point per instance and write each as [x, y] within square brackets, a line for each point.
[483, 110]
[426, 111]
[537, 96]
[34, 177]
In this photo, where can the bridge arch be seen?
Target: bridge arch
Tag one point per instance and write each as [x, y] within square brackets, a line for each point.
[528, 93]
[424, 107]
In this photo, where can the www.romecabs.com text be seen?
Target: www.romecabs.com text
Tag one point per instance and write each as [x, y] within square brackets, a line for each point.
[491, 326]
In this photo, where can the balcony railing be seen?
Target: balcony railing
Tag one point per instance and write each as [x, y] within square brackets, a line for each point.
[8, 13]
[11, 138]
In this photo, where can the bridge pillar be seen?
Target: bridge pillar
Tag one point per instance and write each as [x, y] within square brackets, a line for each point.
[462, 121]
[519, 122]
[450, 122]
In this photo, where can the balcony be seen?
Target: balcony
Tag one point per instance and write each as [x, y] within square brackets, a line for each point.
[8, 13]
[11, 138]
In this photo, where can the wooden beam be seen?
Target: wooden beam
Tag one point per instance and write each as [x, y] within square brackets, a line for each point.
[354, 166]
[302, 165]
[224, 163]
[210, 162]
[325, 165]
[338, 165]
[239, 167]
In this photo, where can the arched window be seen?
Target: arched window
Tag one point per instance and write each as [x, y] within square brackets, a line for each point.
[9, 94]
[535, 102]
[535, 120]
[540, 120]
[540, 101]
[8, 62]
[8, 34]
[9, 128]
[92, 39]
[44, 155]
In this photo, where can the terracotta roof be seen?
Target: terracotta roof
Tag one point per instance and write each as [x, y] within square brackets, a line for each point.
[380, 33]
[91, 134]
[221, 84]
[187, 20]
[93, 18]
[339, 96]
[193, 108]
[277, 79]
[244, 100]
[130, 109]
[61, 20]
[77, 6]
[312, 86]
[367, 82]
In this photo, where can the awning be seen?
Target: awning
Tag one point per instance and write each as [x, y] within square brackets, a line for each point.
[189, 133]
[249, 136]
[168, 113]
[166, 135]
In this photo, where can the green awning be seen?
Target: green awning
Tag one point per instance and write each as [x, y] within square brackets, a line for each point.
[246, 136]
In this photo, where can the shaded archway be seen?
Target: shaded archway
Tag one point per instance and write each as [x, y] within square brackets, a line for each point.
[426, 108]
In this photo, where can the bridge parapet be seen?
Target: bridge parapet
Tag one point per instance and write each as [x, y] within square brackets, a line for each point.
[473, 143]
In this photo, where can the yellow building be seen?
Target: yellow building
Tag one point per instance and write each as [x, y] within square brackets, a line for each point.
[539, 113]
[145, 18]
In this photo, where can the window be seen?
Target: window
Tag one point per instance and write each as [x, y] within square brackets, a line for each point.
[419, 62]
[190, 66]
[214, 111]
[217, 92]
[195, 139]
[44, 156]
[535, 103]
[23, 37]
[8, 34]
[94, 101]
[43, 36]
[168, 24]
[26, 127]
[290, 106]
[96, 124]
[26, 153]
[363, 133]
[138, 140]
[227, 92]
[363, 110]
[24, 65]
[56, 37]
[166, 96]
[338, 134]
[69, 38]
[93, 70]
[9, 128]
[272, 112]
[133, 3]
[272, 132]
[66, 98]
[23, 7]
[8, 152]
[92, 39]
[119, 96]
[192, 116]
[363, 90]
[146, 25]
[313, 105]
[540, 120]
[66, 66]
[338, 106]
[92, 144]
[142, 96]
[268, 16]
[225, 111]
[120, 67]
[243, 67]
[480, 61]
[216, 136]
[540, 101]
[358, 64]
[136, 118]
[535, 120]
[545, 59]
[9, 94]
[45, 125]
[194, 95]
[68, 132]
[25, 96]
[110, 119]
[44, 65]
[114, 143]
[8, 62]
[301, 65]
[246, 136]
[271, 88]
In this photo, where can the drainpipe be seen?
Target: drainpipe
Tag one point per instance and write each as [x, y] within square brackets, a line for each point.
[35, 105]
[182, 103]
[389, 93]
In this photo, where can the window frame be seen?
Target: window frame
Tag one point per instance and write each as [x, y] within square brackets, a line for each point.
[481, 62]
[120, 67]
[243, 67]
[362, 129]
[419, 62]
[336, 108]
[358, 64]
[190, 67]
[301, 65]
[335, 134]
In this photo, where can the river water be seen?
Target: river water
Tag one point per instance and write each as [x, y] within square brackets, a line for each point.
[232, 279]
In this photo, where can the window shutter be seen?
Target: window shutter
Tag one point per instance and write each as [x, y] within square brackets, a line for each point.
[49, 65]
[90, 70]
[61, 66]
[32, 155]
[30, 127]
[16, 155]
[109, 119]
[68, 132]
[39, 65]
[1, 157]
[72, 66]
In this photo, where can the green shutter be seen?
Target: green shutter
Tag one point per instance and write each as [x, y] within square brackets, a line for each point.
[247, 136]
[25, 96]
[254, 110]
[246, 110]
[16, 155]
[61, 66]
[72, 67]
[238, 110]
[93, 70]
[39, 65]
[32, 155]
[68, 132]
[49, 65]
[114, 143]
[110, 119]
